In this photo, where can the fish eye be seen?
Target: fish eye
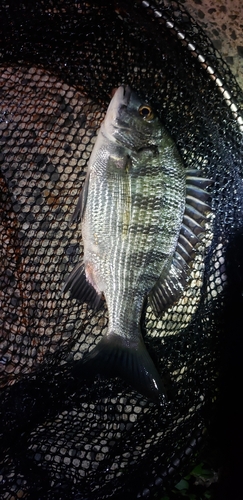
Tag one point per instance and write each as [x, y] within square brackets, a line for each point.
[146, 112]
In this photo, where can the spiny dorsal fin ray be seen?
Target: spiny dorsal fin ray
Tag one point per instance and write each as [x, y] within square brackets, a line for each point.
[195, 214]
[199, 204]
[186, 248]
[194, 177]
[194, 190]
[173, 280]
[186, 242]
[189, 234]
[192, 224]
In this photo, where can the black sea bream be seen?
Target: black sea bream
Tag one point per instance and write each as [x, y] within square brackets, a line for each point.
[142, 213]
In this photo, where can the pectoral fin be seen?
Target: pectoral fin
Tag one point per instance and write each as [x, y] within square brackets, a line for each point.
[80, 208]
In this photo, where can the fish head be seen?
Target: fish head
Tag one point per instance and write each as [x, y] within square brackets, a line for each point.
[130, 121]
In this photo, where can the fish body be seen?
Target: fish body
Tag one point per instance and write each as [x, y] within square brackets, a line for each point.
[133, 206]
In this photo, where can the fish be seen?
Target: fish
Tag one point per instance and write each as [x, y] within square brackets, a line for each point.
[142, 214]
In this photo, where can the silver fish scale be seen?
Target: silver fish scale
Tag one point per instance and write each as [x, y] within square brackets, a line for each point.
[134, 220]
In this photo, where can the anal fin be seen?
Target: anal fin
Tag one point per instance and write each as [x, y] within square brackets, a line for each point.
[80, 288]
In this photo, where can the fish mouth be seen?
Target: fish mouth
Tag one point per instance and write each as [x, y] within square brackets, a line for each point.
[120, 96]
[126, 94]
[119, 101]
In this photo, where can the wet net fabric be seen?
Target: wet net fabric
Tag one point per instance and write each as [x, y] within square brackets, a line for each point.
[67, 438]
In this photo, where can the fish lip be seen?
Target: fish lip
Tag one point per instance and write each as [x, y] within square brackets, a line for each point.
[121, 97]
[126, 94]
[125, 91]
[112, 123]
[125, 98]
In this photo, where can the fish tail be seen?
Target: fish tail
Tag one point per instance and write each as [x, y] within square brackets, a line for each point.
[115, 356]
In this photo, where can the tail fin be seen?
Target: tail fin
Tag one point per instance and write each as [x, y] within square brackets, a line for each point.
[114, 357]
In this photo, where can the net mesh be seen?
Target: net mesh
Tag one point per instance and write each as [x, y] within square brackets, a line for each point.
[62, 437]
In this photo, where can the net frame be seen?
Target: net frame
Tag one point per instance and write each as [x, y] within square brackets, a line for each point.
[64, 54]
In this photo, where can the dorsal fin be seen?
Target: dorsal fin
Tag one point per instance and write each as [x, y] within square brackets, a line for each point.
[173, 279]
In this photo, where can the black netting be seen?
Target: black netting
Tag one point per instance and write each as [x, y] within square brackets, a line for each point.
[60, 437]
